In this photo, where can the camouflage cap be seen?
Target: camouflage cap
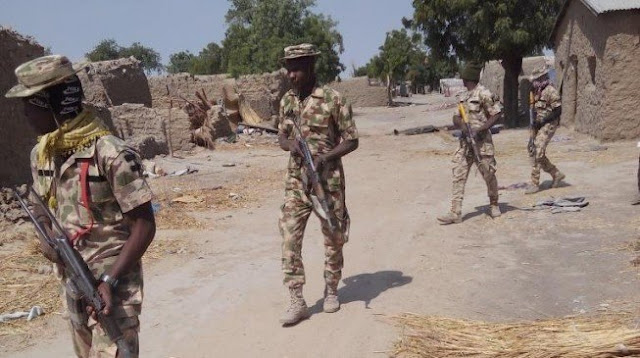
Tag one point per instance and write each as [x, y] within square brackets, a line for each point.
[42, 72]
[301, 50]
[472, 71]
[539, 72]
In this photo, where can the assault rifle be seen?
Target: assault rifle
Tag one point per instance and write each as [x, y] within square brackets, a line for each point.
[531, 147]
[469, 136]
[320, 198]
[81, 279]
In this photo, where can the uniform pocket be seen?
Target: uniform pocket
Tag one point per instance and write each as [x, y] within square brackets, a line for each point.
[318, 128]
[474, 106]
[102, 202]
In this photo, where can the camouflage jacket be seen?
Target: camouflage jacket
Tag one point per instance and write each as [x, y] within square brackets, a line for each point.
[546, 101]
[480, 104]
[116, 186]
[326, 119]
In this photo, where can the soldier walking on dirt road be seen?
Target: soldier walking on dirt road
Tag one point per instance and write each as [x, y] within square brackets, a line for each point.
[548, 109]
[482, 110]
[326, 124]
[92, 182]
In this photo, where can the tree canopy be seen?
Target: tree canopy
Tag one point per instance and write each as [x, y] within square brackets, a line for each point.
[397, 54]
[180, 62]
[260, 29]
[208, 62]
[109, 49]
[486, 30]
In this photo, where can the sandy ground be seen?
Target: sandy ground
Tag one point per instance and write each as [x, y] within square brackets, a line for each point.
[220, 294]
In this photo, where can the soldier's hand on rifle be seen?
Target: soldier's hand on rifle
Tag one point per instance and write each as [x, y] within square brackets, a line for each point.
[46, 249]
[457, 121]
[104, 289]
[49, 253]
[319, 161]
[294, 147]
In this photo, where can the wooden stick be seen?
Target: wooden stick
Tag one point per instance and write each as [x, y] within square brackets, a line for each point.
[168, 128]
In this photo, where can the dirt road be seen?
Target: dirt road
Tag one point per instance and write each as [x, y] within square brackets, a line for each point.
[224, 295]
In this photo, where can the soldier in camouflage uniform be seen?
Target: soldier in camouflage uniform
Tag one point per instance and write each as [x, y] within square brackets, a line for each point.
[548, 110]
[93, 183]
[327, 125]
[483, 111]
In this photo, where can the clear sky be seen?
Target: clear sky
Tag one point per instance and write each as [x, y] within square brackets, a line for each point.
[74, 27]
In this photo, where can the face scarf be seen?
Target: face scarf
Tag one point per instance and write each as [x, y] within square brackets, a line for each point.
[78, 129]
[73, 135]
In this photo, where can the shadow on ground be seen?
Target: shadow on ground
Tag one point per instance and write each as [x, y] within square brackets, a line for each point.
[484, 209]
[366, 287]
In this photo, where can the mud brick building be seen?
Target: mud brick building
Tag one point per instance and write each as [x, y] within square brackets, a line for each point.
[597, 46]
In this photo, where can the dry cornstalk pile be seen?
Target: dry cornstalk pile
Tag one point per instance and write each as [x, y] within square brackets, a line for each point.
[610, 335]
[201, 126]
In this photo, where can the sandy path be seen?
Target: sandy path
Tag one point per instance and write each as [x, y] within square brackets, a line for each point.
[224, 298]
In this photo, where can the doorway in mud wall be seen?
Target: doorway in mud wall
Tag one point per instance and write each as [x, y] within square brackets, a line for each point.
[570, 92]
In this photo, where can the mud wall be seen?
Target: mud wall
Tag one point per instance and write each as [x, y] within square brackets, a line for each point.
[263, 92]
[185, 85]
[493, 73]
[17, 136]
[358, 91]
[600, 55]
[112, 83]
[149, 130]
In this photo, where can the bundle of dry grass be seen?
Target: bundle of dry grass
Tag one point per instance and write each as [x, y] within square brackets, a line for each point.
[610, 335]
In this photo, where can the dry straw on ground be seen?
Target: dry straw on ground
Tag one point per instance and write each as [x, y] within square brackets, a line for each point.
[26, 279]
[21, 284]
[610, 335]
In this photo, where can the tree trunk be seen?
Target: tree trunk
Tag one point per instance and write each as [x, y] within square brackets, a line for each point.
[390, 97]
[512, 68]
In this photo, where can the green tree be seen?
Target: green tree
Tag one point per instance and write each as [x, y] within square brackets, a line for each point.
[399, 53]
[438, 67]
[149, 57]
[375, 67]
[105, 50]
[260, 29]
[359, 71]
[485, 30]
[110, 50]
[180, 62]
[322, 32]
[209, 61]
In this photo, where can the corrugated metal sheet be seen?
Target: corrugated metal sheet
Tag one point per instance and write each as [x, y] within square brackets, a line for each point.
[598, 7]
[602, 6]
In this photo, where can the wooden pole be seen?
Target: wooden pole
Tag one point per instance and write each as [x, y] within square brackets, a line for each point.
[168, 128]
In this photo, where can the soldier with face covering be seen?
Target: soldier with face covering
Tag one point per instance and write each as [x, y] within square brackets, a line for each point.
[93, 184]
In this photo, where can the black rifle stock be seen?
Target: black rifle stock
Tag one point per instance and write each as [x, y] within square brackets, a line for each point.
[76, 270]
[316, 182]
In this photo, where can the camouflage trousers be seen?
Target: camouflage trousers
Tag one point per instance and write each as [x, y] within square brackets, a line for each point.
[293, 220]
[540, 161]
[89, 339]
[463, 160]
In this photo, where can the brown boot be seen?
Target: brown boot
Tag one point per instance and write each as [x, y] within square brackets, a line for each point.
[494, 209]
[532, 189]
[297, 310]
[452, 217]
[331, 303]
[557, 179]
